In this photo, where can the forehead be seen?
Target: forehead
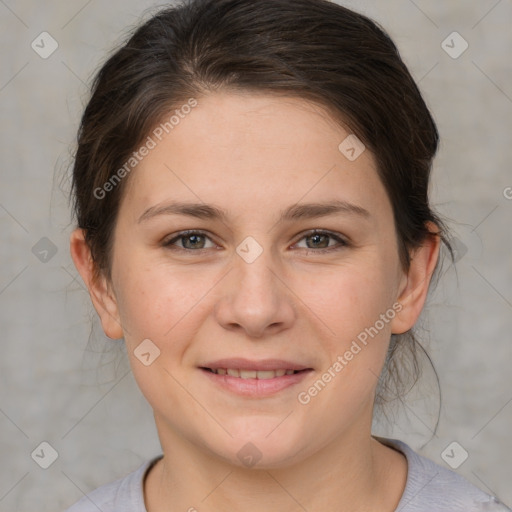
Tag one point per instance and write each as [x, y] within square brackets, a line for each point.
[245, 150]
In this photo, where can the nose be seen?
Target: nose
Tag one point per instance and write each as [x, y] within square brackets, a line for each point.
[255, 299]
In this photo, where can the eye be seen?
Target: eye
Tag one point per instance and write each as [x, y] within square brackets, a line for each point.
[194, 240]
[320, 241]
[189, 240]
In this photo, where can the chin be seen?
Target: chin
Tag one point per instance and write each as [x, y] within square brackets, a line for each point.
[264, 443]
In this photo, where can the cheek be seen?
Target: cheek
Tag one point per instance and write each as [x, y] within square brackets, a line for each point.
[161, 304]
[162, 307]
[355, 306]
[351, 298]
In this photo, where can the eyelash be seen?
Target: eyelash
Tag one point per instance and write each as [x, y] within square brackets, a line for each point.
[342, 243]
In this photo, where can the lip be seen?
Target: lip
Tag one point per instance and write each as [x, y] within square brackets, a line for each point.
[246, 364]
[255, 388]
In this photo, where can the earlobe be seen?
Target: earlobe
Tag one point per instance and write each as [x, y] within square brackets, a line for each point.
[414, 290]
[101, 293]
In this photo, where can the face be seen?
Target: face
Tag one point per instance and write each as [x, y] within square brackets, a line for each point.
[248, 242]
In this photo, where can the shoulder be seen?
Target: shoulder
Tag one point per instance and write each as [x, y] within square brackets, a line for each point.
[433, 487]
[123, 495]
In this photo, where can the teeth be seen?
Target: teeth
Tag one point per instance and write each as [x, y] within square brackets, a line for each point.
[248, 374]
[253, 374]
[267, 374]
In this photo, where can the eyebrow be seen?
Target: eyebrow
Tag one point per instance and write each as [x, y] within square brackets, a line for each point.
[294, 212]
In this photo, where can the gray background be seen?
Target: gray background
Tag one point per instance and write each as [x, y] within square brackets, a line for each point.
[80, 396]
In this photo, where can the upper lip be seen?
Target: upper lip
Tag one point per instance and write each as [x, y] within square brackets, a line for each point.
[246, 364]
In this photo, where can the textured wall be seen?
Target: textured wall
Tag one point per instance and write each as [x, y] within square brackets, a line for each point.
[82, 399]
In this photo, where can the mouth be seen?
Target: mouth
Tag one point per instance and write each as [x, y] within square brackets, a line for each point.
[254, 379]
[253, 374]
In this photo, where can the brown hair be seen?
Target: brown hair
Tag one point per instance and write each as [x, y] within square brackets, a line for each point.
[311, 49]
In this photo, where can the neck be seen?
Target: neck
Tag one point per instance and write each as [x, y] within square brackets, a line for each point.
[352, 473]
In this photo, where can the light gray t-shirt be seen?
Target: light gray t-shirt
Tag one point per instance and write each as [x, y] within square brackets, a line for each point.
[429, 488]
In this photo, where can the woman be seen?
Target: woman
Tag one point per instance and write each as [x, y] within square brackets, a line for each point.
[251, 192]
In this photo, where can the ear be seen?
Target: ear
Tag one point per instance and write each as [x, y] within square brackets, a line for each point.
[100, 290]
[414, 286]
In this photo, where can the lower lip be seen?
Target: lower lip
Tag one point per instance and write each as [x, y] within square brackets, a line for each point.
[256, 387]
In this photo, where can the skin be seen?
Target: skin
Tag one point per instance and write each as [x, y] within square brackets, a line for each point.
[254, 155]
